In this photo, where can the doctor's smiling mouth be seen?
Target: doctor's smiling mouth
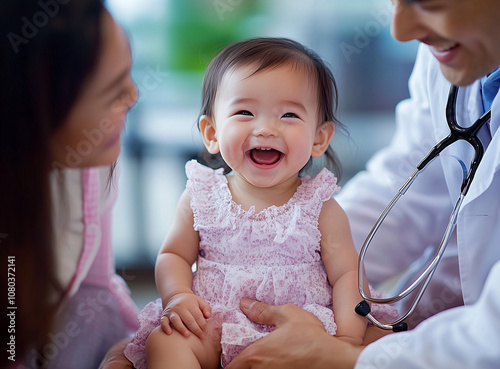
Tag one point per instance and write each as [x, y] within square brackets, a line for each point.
[462, 35]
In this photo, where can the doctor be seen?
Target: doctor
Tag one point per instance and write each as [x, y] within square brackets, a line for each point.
[460, 44]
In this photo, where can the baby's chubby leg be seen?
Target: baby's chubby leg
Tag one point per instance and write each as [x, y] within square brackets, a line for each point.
[177, 351]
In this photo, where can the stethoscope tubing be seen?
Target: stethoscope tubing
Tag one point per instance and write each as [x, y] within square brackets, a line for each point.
[468, 134]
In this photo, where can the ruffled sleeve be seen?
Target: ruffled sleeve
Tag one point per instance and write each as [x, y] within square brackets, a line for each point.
[209, 194]
[316, 190]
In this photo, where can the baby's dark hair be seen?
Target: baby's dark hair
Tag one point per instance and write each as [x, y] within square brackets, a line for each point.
[267, 53]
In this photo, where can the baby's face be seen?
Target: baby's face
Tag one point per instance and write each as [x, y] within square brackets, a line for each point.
[266, 123]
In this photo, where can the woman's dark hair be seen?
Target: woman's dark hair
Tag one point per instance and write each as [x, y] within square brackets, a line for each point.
[48, 50]
[267, 53]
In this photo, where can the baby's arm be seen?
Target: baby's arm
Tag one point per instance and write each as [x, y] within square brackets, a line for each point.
[182, 308]
[341, 262]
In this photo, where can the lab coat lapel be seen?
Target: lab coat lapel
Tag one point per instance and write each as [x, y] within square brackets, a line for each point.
[495, 118]
[480, 213]
[491, 159]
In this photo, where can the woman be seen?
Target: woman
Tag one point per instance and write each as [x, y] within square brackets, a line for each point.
[65, 91]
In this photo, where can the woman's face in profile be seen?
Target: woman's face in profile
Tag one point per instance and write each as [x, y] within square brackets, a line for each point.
[91, 135]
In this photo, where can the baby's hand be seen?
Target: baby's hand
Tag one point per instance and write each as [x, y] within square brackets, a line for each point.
[186, 312]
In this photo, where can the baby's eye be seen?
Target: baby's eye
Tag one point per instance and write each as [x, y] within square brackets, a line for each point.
[244, 112]
[290, 115]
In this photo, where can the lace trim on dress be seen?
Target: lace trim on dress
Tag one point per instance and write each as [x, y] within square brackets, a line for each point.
[212, 207]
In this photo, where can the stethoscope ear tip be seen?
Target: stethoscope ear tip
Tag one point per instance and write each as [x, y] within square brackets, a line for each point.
[362, 308]
[400, 327]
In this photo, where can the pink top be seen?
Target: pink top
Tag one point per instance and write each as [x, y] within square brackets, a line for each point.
[96, 264]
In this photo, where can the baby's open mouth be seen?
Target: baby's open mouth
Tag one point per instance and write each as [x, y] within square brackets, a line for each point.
[265, 156]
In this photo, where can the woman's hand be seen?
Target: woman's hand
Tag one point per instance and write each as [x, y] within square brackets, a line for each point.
[115, 358]
[299, 341]
[186, 312]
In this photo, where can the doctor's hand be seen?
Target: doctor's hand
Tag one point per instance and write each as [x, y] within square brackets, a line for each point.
[299, 341]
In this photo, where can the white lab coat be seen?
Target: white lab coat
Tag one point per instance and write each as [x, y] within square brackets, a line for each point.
[462, 337]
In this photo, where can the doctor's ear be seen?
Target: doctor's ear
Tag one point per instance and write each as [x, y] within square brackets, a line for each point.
[323, 137]
[209, 134]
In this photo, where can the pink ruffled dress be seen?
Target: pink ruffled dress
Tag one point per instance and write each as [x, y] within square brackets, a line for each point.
[273, 256]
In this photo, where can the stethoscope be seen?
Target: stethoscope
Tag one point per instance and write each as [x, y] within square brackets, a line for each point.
[456, 133]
